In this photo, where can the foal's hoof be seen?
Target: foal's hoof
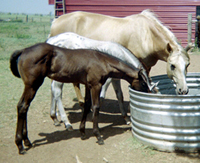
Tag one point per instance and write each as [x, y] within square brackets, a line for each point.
[22, 152]
[69, 127]
[83, 136]
[100, 142]
[27, 143]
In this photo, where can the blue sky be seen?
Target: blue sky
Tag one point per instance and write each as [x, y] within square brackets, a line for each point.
[26, 6]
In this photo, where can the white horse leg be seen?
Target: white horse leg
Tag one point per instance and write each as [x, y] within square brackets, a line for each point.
[54, 103]
[104, 89]
[117, 87]
[56, 88]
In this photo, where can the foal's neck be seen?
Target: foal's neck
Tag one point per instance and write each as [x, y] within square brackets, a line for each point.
[123, 71]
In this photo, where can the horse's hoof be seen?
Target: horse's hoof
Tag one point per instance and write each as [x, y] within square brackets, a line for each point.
[100, 142]
[28, 144]
[22, 152]
[83, 136]
[81, 103]
[69, 127]
[57, 123]
[128, 121]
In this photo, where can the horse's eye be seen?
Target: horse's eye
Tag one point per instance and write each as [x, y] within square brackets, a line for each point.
[172, 67]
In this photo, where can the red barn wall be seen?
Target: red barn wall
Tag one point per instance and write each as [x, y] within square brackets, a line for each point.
[173, 13]
[51, 2]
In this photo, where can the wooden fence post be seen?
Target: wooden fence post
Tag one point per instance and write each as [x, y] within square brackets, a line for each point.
[26, 18]
[198, 31]
[189, 28]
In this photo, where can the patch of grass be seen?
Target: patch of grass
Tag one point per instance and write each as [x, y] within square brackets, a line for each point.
[22, 36]
[15, 35]
[133, 144]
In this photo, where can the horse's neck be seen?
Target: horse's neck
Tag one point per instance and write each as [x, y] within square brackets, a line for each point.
[149, 42]
[120, 70]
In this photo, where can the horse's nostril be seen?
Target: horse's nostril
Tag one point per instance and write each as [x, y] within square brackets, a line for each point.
[186, 92]
[180, 92]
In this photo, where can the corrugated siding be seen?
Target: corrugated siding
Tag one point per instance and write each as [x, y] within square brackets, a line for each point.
[173, 13]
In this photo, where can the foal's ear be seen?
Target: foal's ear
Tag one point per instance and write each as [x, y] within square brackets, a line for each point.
[142, 75]
[169, 48]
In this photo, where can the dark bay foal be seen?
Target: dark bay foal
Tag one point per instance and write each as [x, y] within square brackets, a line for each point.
[89, 67]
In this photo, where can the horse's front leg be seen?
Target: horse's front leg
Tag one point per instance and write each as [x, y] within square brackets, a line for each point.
[117, 87]
[104, 89]
[86, 110]
[95, 96]
[22, 109]
[78, 94]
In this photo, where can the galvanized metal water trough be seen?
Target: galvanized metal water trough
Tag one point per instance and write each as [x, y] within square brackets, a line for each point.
[166, 121]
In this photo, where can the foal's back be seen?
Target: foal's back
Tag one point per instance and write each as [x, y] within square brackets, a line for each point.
[72, 66]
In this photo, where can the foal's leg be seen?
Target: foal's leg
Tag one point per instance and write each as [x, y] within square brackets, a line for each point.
[104, 89]
[78, 93]
[86, 110]
[117, 87]
[95, 96]
[56, 88]
[22, 109]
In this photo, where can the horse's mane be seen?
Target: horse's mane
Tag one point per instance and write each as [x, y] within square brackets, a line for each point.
[152, 16]
[159, 25]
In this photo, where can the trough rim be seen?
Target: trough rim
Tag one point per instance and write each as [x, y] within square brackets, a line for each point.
[166, 95]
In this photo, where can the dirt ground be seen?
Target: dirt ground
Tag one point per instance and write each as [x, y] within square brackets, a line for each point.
[55, 144]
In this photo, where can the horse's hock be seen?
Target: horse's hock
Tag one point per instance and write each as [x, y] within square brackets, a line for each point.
[166, 121]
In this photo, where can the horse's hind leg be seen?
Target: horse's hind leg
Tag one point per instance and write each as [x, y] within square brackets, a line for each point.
[86, 110]
[78, 94]
[56, 90]
[22, 109]
[63, 115]
[117, 87]
[95, 96]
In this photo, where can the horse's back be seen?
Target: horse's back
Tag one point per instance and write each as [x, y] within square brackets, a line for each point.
[83, 23]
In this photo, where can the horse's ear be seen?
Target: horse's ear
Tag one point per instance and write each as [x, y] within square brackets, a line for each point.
[143, 75]
[189, 46]
[169, 48]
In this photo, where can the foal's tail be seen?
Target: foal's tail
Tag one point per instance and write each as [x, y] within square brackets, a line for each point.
[14, 61]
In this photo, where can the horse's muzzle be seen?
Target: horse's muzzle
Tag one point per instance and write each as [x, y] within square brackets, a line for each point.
[183, 92]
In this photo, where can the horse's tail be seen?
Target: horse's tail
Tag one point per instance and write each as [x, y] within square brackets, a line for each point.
[14, 61]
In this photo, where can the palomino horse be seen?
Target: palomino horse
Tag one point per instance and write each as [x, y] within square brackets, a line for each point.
[74, 41]
[89, 67]
[143, 34]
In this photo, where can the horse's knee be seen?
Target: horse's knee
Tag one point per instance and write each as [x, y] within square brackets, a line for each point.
[22, 110]
[57, 94]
